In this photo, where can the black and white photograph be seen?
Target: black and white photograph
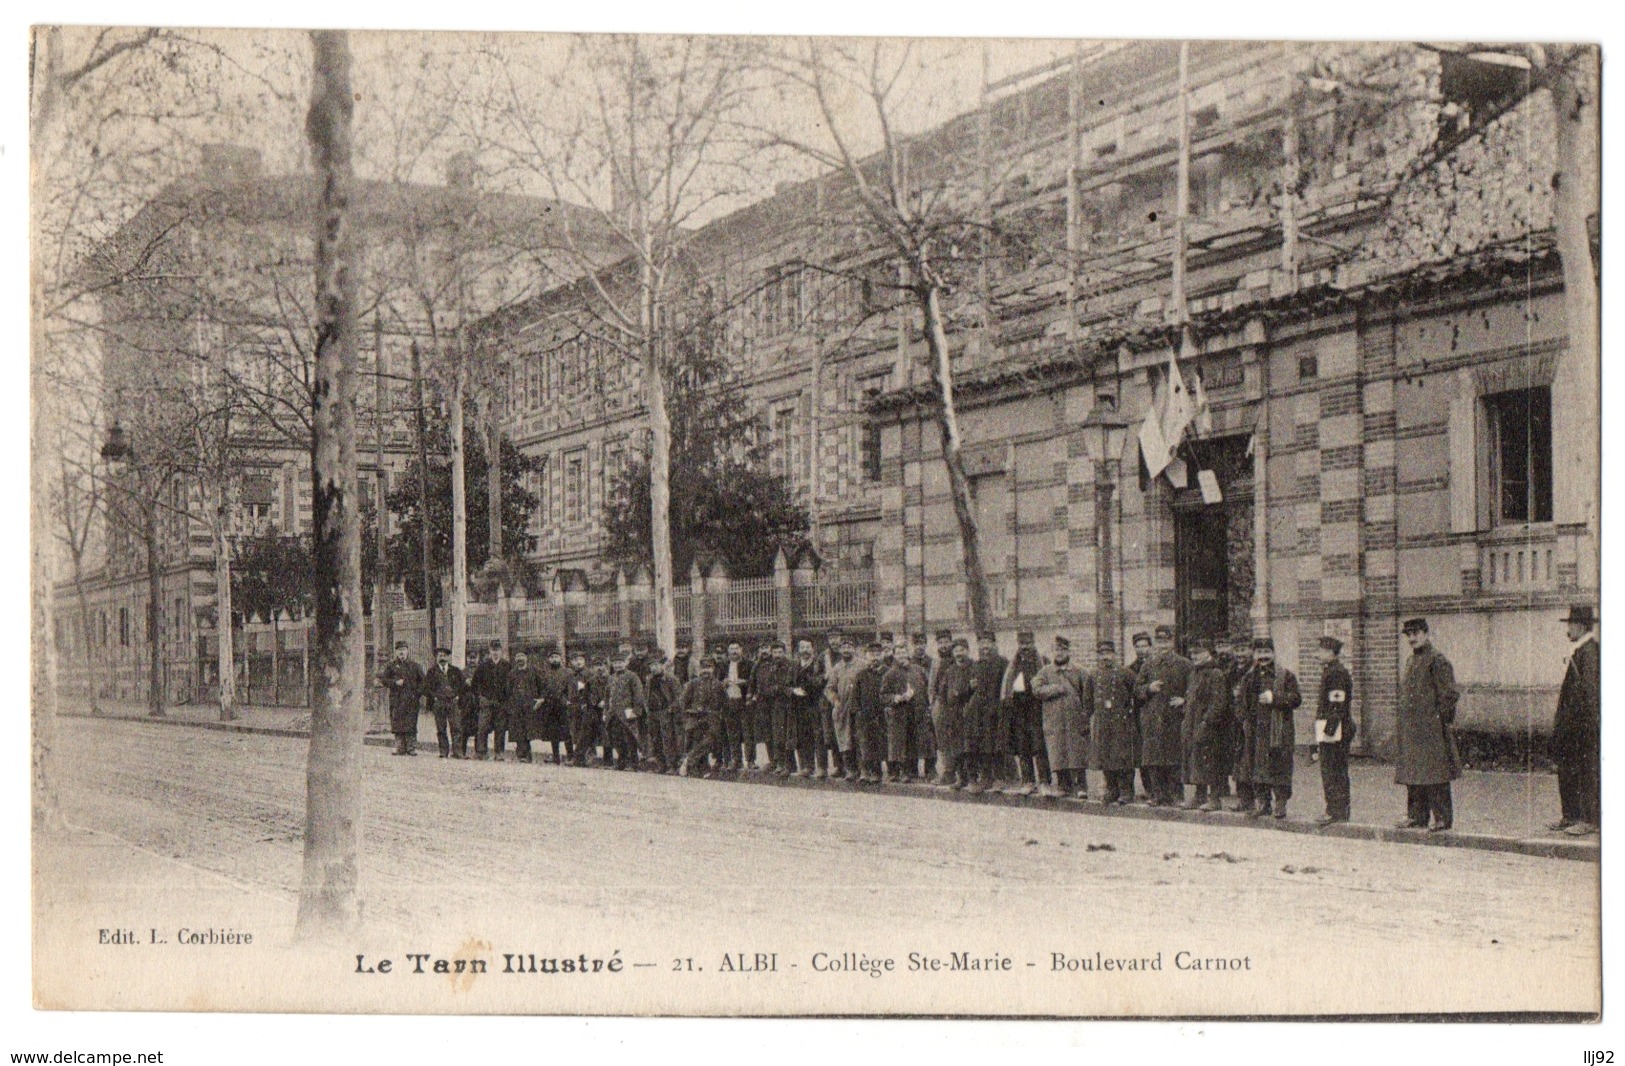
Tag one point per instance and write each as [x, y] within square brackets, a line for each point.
[703, 525]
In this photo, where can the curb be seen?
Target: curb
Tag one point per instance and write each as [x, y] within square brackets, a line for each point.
[1572, 851]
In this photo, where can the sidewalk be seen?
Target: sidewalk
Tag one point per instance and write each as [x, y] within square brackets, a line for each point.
[1495, 811]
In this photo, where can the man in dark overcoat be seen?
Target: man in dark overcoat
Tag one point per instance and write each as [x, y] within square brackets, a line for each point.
[1236, 659]
[1334, 727]
[1113, 738]
[551, 719]
[661, 724]
[624, 711]
[403, 679]
[903, 690]
[869, 714]
[490, 687]
[1206, 729]
[736, 729]
[806, 700]
[773, 674]
[580, 716]
[1269, 696]
[1576, 746]
[947, 738]
[1159, 690]
[1024, 716]
[448, 693]
[700, 706]
[1425, 757]
[986, 732]
[522, 711]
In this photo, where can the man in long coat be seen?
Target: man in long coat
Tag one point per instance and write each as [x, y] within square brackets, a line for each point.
[736, 728]
[1334, 721]
[1159, 689]
[522, 710]
[803, 724]
[1024, 716]
[1113, 737]
[701, 705]
[1240, 741]
[955, 688]
[1425, 759]
[1141, 642]
[581, 716]
[772, 689]
[1066, 695]
[1576, 746]
[624, 711]
[838, 694]
[903, 692]
[490, 687]
[1269, 696]
[947, 736]
[447, 692]
[925, 735]
[985, 729]
[550, 720]
[869, 714]
[403, 678]
[1206, 729]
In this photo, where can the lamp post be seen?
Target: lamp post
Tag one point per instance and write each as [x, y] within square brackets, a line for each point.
[120, 456]
[1104, 432]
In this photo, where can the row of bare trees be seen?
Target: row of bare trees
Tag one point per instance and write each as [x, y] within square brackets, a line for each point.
[650, 138]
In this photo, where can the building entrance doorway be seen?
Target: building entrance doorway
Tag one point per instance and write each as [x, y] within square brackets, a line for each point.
[1213, 543]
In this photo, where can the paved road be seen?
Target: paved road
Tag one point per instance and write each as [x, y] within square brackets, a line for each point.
[546, 858]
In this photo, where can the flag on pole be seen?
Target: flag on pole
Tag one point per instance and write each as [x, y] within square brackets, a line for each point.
[1177, 419]
[1204, 411]
[1153, 445]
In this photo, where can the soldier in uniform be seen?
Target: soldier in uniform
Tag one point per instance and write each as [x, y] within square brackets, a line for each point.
[490, 687]
[829, 745]
[1576, 745]
[522, 712]
[551, 720]
[1334, 726]
[404, 680]
[447, 692]
[624, 709]
[1269, 695]
[701, 706]
[985, 728]
[773, 676]
[1240, 743]
[1113, 739]
[946, 738]
[1066, 696]
[1159, 690]
[1024, 714]
[838, 695]
[660, 721]
[1426, 760]
[1206, 730]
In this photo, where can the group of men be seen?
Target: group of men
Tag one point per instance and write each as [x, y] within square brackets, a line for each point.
[1197, 729]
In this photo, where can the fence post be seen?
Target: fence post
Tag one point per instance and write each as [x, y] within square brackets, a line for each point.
[782, 599]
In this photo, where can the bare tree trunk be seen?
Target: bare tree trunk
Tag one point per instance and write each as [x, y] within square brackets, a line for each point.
[225, 647]
[493, 485]
[959, 490]
[423, 501]
[328, 905]
[155, 593]
[459, 523]
[654, 397]
[1576, 388]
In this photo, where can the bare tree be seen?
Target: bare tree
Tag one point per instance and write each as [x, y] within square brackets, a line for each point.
[654, 146]
[328, 898]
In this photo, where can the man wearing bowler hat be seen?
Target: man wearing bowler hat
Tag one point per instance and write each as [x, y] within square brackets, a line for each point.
[404, 680]
[1426, 760]
[446, 690]
[1269, 696]
[1576, 746]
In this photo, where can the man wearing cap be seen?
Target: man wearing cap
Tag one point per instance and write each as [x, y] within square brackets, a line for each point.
[1236, 660]
[925, 734]
[1159, 689]
[447, 692]
[1334, 729]
[869, 714]
[582, 716]
[1142, 655]
[701, 708]
[903, 693]
[829, 746]
[1066, 694]
[985, 728]
[1426, 760]
[1024, 714]
[1576, 745]
[1206, 729]
[1113, 740]
[550, 718]
[403, 678]
[773, 676]
[624, 710]
[806, 697]
[660, 697]
[735, 728]
[490, 686]
[838, 693]
[1269, 695]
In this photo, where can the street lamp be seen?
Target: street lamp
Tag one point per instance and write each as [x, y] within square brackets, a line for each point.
[1104, 431]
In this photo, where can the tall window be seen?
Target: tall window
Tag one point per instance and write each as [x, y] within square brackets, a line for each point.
[575, 484]
[869, 441]
[124, 627]
[1520, 425]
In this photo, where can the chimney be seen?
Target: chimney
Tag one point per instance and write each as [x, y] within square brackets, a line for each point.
[225, 164]
[462, 171]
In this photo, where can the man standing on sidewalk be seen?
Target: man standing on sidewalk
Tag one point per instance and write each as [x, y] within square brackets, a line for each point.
[1334, 730]
[1269, 695]
[1576, 746]
[1427, 761]
[447, 691]
[490, 687]
[1159, 689]
[404, 680]
[735, 727]
[803, 723]
[1114, 742]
